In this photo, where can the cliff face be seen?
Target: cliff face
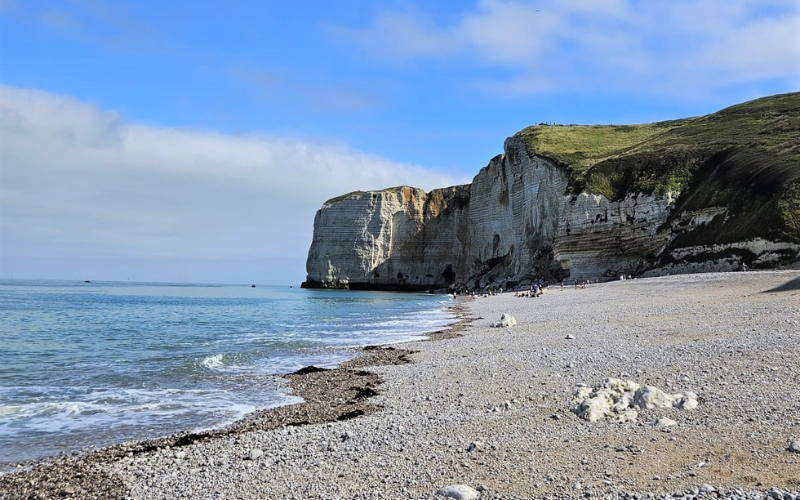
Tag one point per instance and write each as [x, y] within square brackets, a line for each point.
[529, 215]
[394, 239]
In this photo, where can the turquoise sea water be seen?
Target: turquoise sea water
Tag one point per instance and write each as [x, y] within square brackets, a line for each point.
[91, 364]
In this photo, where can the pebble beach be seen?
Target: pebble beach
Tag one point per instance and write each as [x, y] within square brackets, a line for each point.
[484, 412]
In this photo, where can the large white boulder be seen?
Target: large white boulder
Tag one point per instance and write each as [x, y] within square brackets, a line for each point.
[622, 399]
[506, 321]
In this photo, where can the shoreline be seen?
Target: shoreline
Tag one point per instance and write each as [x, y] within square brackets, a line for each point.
[492, 408]
[329, 395]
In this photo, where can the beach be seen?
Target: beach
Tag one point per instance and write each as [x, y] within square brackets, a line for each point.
[493, 408]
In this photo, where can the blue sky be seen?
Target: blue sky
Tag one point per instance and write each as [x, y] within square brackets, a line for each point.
[193, 141]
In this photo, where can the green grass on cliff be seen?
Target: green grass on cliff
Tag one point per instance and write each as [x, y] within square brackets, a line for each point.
[583, 146]
[750, 150]
[615, 159]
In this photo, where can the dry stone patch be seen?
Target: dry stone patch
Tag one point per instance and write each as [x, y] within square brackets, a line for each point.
[622, 399]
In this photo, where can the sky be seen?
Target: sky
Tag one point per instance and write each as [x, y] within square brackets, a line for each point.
[193, 141]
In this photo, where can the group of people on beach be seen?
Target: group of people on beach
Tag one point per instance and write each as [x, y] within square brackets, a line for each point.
[535, 291]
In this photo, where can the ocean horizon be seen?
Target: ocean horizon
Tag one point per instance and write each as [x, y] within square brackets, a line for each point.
[90, 364]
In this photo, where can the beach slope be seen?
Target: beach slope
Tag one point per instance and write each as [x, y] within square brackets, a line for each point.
[494, 408]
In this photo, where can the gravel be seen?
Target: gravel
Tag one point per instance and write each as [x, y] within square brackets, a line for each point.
[492, 409]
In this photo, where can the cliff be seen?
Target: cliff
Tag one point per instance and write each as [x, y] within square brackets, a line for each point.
[711, 193]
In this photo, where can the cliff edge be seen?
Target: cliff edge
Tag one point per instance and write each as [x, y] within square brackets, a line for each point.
[719, 192]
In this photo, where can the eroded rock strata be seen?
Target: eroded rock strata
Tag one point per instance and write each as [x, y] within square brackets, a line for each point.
[523, 219]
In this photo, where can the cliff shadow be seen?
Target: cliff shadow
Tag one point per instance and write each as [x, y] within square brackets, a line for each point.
[789, 286]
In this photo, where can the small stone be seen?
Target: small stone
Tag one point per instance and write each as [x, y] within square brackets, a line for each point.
[666, 422]
[707, 488]
[576, 486]
[569, 336]
[474, 446]
[794, 446]
[775, 493]
[255, 454]
[180, 455]
[459, 492]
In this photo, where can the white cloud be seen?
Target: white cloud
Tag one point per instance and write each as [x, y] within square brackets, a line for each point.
[78, 182]
[678, 46]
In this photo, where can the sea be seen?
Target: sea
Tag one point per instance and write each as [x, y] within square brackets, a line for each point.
[89, 364]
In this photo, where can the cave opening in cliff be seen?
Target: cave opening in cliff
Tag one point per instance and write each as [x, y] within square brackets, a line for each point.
[448, 274]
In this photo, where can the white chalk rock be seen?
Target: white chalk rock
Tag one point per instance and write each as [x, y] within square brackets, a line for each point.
[666, 422]
[459, 492]
[649, 397]
[597, 406]
[621, 386]
[582, 393]
[622, 399]
[255, 454]
[686, 401]
[623, 403]
[629, 415]
[506, 320]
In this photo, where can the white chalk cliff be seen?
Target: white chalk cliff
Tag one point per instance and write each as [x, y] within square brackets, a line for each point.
[720, 192]
[514, 224]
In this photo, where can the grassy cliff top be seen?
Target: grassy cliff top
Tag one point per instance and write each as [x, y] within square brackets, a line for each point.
[583, 146]
[358, 194]
[616, 159]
